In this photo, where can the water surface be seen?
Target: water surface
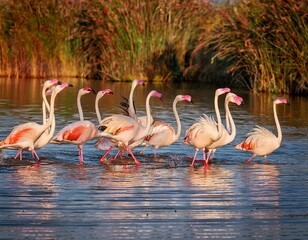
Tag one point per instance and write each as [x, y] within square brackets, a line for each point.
[164, 197]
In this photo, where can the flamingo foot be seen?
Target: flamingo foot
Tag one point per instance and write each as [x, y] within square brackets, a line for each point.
[102, 160]
[137, 163]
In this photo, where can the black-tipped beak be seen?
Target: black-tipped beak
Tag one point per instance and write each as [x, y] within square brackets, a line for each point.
[92, 90]
[59, 82]
[70, 85]
[161, 98]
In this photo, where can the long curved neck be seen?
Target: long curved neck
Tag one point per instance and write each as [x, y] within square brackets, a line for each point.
[51, 118]
[131, 109]
[232, 131]
[98, 114]
[279, 137]
[178, 122]
[148, 114]
[45, 104]
[218, 116]
[79, 106]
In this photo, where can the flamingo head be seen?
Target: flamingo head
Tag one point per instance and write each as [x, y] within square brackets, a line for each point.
[86, 90]
[278, 100]
[231, 97]
[137, 82]
[103, 92]
[59, 88]
[52, 82]
[221, 91]
[185, 98]
[156, 94]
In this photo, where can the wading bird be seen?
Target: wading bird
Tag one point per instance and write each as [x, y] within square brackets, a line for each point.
[125, 130]
[80, 132]
[24, 136]
[164, 134]
[206, 130]
[261, 141]
[228, 134]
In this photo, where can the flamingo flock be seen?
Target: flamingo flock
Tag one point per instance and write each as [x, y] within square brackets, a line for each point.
[127, 131]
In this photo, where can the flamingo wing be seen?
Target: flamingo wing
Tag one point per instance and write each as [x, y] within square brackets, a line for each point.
[259, 141]
[162, 134]
[76, 133]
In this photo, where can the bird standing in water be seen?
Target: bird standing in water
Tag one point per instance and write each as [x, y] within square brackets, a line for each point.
[261, 141]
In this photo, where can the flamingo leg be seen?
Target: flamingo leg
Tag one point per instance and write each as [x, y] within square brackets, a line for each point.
[143, 149]
[248, 160]
[133, 156]
[193, 161]
[265, 159]
[207, 159]
[35, 154]
[155, 150]
[80, 154]
[119, 151]
[19, 153]
[102, 160]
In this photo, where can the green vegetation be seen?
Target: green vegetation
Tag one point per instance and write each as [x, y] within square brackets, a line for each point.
[258, 44]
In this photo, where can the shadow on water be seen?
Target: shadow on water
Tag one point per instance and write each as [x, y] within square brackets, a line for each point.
[164, 197]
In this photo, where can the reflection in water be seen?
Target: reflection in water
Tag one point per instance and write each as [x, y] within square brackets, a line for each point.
[164, 197]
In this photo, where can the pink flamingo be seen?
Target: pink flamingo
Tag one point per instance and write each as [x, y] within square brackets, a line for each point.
[47, 135]
[24, 136]
[125, 130]
[80, 132]
[164, 134]
[228, 134]
[206, 130]
[261, 141]
[129, 109]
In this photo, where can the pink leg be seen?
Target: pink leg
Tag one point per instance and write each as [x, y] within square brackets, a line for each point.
[207, 159]
[131, 153]
[204, 155]
[80, 154]
[120, 151]
[143, 149]
[19, 153]
[102, 160]
[155, 150]
[34, 154]
[248, 160]
[265, 159]
[193, 161]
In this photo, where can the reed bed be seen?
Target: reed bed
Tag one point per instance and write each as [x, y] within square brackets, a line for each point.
[265, 43]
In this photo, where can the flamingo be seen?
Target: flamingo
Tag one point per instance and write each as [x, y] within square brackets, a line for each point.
[228, 134]
[205, 131]
[44, 139]
[129, 108]
[80, 132]
[164, 134]
[261, 141]
[24, 136]
[125, 130]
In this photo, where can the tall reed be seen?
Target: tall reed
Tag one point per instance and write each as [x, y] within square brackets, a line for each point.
[33, 37]
[122, 39]
[266, 43]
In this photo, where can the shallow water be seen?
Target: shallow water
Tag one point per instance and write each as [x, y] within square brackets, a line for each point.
[164, 197]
